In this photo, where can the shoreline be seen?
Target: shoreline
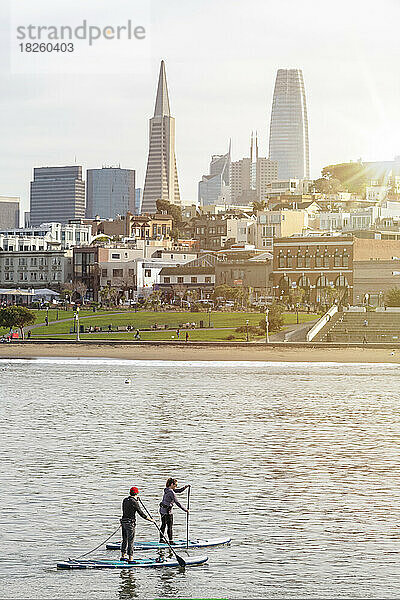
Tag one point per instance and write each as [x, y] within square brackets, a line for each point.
[274, 352]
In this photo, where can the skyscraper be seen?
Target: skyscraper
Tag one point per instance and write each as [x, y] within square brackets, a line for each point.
[9, 212]
[288, 136]
[249, 177]
[110, 191]
[161, 175]
[214, 188]
[57, 194]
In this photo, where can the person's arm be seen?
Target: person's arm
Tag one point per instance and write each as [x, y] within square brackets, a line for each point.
[180, 490]
[141, 513]
[176, 501]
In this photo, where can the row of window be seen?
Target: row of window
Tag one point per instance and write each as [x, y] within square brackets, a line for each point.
[9, 276]
[33, 262]
[300, 262]
[304, 282]
[193, 279]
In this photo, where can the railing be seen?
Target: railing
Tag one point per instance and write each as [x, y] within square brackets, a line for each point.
[321, 323]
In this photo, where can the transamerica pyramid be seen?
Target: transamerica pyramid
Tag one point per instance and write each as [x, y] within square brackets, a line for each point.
[161, 175]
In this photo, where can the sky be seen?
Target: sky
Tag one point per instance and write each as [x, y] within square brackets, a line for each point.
[92, 107]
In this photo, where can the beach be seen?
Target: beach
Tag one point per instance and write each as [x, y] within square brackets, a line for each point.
[283, 352]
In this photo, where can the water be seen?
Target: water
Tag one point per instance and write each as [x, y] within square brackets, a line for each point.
[299, 463]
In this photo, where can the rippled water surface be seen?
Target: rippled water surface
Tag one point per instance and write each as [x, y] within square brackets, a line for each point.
[299, 463]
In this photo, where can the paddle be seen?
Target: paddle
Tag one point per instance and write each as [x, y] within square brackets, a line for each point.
[178, 558]
[187, 519]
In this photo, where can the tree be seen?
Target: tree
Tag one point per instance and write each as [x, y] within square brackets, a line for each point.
[392, 297]
[163, 206]
[353, 177]
[16, 316]
[326, 185]
[108, 295]
[259, 205]
[275, 318]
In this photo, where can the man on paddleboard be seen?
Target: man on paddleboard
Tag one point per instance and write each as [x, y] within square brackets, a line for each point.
[130, 506]
[169, 499]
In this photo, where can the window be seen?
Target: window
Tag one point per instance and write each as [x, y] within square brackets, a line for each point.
[326, 261]
[337, 260]
[115, 256]
[208, 279]
[307, 261]
[289, 261]
[193, 280]
[345, 260]
[300, 261]
[281, 262]
[118, 273]
[33, 262]
[131, 272]
[180, 279]
[318, 261]
[147, 272]
[104, 272]
[167, 279]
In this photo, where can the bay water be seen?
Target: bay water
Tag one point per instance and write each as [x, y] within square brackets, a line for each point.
[298, 462]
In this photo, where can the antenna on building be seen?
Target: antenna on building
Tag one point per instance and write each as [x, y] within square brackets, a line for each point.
[256, 145]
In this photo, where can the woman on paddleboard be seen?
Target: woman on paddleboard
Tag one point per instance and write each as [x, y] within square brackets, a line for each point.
[169, 499]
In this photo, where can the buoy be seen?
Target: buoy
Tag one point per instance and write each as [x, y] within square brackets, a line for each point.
[392, 353]
[127, 380]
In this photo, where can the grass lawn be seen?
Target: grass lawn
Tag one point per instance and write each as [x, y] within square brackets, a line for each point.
[211, 335]
[145, 319]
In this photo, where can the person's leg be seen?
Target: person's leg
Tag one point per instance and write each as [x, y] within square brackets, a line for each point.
[131, 537]
[170, 522]
[163, 526]
[124, 540]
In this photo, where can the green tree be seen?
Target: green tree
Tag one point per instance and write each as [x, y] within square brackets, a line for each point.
[16, 316]
[353, 177]
[392, 297]
[326, 185]
[163, 206]
[259, 205]
[275, 318]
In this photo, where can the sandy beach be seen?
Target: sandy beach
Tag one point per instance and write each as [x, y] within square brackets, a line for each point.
[203, 352]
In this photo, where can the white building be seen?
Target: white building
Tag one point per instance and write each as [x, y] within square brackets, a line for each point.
[54, 236]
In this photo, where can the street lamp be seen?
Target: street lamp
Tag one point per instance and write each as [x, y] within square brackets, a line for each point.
[77, 324]
[209, 318]
[247, 330]
[266, 326]
[297, 313]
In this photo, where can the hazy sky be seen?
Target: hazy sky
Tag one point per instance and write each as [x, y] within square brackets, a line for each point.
[221, 59]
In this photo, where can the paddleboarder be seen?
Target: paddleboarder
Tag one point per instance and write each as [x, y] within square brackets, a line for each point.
[130, 506]
[166, 505]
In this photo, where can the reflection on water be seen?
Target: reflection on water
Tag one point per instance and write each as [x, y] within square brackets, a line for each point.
[129, 587]
[298, 463]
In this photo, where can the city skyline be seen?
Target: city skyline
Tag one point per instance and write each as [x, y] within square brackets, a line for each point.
[222, 90]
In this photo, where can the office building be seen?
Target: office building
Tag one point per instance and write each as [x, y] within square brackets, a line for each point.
[161, 175]
[9, 212]
[214, 187]
[57, 195]
[288, 138]
[110, 191]
[250, 177]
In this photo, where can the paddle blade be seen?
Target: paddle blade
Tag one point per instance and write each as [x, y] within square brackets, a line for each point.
[180, 561]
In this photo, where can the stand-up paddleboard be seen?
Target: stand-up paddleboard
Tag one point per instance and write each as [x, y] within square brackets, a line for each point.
[137, 563]
[194, 543]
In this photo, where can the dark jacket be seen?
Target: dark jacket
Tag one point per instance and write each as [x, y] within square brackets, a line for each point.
[169, 499]
[130, 506]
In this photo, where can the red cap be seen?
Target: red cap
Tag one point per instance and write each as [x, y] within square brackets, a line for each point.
[134, 490]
